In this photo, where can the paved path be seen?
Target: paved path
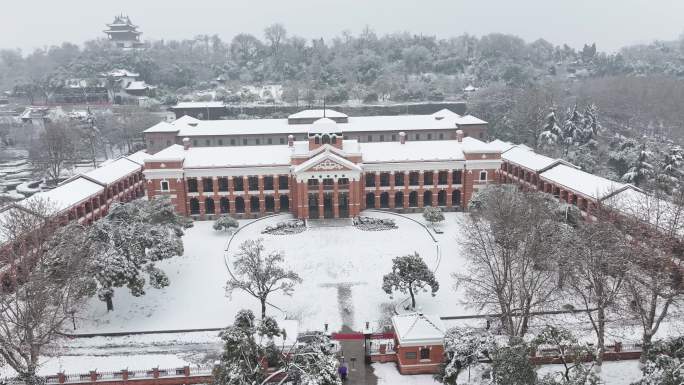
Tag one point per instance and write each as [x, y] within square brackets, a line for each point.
[353, 355]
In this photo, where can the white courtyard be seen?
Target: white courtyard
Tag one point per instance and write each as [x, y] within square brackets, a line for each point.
[341, 268]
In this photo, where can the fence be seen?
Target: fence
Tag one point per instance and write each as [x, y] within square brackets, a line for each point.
[186, 375]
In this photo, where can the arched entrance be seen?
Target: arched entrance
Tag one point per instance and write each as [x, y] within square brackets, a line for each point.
[427, 198]
[194, 206]
[209, 206]
[224, 205]
[456, 198]
[284, 203]
[441, 198]
[413, 199]
[370, 200]
[328, 211]
[254, 204]
[399, 199]
[239, 205]
[384, 200]
[269, 203]
[343, 204]
[313, 206]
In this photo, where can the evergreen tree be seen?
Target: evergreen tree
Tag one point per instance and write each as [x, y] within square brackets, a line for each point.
[225, 223]
[511, 364]
[409, 275]
[129, 241]
[433, 215]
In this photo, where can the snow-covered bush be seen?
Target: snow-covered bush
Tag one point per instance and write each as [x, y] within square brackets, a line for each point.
[225, 223]
[374, 224]
[284, 228]
[464, 348]
[433, 215]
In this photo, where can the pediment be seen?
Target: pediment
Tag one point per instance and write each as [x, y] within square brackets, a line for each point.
[327, 161]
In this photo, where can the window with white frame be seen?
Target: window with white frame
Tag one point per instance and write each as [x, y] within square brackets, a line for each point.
[164, 185]
[483, 176]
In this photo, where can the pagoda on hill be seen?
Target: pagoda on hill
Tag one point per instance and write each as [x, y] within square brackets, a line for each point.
[123, 33]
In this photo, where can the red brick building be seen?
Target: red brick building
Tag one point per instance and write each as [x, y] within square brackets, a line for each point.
[419, 343]
[324, 175]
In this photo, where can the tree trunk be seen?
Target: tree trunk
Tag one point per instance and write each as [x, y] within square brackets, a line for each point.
[110, 303]
[601, 343]
[263, 308]
[413, 298]
[645, 346]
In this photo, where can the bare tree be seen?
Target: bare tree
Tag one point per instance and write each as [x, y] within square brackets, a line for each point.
[44, 285]
[598, 254]
[511, 240]
[54, 150]
[260, 274]
[654, 281]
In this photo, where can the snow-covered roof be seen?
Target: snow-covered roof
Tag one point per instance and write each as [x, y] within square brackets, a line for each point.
[211, 104]
[472, 145]
[138, 157]
[590, 185]
[660, 213]
[324, 126]
[66, 195]
[469, 119]
[418, 329]
[114, 170]
[445, 113]
[389, 123]
[238, 156]
[138, 85]
[317, 113]
[117, 73]
[162, 127]
[501, 145]
[528, 159]
[436, 150]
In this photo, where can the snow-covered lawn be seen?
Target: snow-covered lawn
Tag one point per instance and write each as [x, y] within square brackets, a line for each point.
[342, 269]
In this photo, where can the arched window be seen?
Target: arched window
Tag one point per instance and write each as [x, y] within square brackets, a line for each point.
[370, 200]
[413, 199]
[284, 203]
[456, 198]
[239, 205]
[399, 199]
[224, 204]
[427, 198]
[384, 200]
[254, 204]
[209, 206]
[326, 139]
[317, 139]
[334, 139]
[269, 203]
[194, 206]
[441, 198]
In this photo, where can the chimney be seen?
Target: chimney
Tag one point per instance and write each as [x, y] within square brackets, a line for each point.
[459, 135]
[402, 137]
[186, 143]
[290, 140]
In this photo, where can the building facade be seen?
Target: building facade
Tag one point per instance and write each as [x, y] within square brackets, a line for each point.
[322, 176]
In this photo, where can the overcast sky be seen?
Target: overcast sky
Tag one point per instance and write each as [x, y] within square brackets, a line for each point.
[28, 24]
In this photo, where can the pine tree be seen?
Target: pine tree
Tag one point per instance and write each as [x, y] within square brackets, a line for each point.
[641, 169]
[225, 223]
[551, 133]
[129, 241]
[409, 275]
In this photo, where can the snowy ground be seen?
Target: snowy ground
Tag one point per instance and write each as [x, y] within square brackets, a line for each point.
[342, 269]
